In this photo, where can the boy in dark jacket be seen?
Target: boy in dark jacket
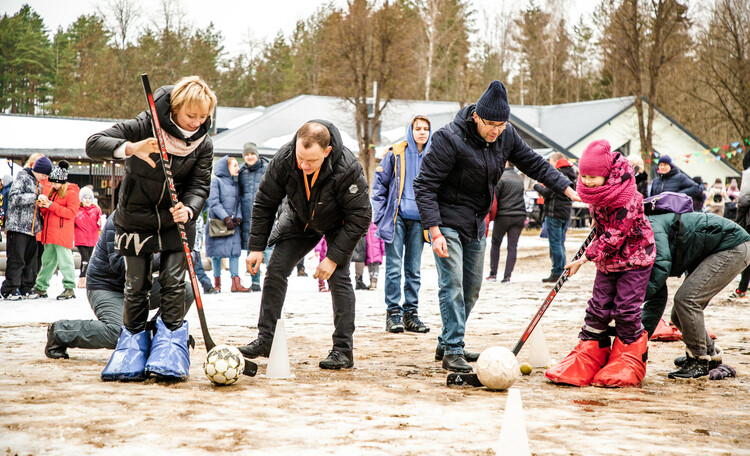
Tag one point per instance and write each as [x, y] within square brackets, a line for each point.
[326, 195]
[557, 215]
[454, 192]
[712, 250]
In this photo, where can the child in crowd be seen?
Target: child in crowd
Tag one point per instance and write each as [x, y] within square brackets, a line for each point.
[86, 230]
[624, 252]
[59, 206]
[369, 252]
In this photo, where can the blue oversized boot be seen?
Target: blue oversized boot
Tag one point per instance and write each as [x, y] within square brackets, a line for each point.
[129, 359]
[169, 352]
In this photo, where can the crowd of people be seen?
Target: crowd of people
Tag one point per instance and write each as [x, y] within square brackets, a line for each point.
[443, 188]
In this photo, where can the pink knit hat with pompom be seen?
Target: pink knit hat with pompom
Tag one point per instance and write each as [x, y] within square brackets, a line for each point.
[596, 160]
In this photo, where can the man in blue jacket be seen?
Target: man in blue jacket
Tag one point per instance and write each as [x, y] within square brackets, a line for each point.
[671, 179]
[454, 192]
[250, 173]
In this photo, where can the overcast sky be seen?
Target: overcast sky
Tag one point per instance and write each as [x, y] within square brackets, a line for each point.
[241, 20]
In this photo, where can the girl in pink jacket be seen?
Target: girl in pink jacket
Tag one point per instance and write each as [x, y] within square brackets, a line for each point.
[623, 250]
[87, 227]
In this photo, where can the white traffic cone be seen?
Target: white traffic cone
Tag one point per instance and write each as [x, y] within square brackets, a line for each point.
[538, 351]
[278, 360]
[513, 438]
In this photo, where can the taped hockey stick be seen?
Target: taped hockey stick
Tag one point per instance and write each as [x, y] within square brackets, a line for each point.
[250, 367]
[457, 379]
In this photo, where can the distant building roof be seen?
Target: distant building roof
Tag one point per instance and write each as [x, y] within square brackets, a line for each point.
[228, 117]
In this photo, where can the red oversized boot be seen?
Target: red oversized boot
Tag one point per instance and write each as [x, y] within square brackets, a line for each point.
[580, 366]
[217, 283]
[626, 366]
[237, 286]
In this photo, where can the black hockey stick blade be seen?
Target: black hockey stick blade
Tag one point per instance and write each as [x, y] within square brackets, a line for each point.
[457, 379]
[250, 368]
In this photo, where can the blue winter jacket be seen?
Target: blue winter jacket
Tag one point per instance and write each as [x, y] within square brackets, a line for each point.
[456, 184]
[249, 178]
[675, 181]
[390, 181]
[223, 201]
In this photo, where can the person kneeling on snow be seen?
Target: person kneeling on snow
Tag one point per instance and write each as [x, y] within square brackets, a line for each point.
[712, 250]
[623, 251]
[105, 285]
[146, 222]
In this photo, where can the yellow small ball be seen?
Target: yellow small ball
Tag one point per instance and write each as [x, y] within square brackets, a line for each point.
[525, 368]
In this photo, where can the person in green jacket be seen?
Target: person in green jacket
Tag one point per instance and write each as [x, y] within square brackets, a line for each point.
[712, 250]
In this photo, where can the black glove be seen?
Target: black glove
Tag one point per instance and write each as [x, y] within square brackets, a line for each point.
[722, 371]
[238, 221]
[229, 223]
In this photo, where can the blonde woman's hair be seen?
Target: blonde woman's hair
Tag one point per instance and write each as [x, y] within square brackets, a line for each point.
[192, 90]
[636, 160]
[62, 191]
[33, 158]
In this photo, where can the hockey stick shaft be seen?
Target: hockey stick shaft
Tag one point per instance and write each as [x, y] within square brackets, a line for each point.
[167, 168]
[560, 281]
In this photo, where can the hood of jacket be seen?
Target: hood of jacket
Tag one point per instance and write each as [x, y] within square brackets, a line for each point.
[221, 168]
[410, 142]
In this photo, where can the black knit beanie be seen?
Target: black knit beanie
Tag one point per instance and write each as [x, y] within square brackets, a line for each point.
[59, 173]
[493, 105]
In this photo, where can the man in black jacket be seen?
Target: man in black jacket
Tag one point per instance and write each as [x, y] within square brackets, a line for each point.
[557, 215]
[454, 191]
[326, 195]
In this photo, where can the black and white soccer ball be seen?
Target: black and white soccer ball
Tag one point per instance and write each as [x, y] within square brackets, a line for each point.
[224, 365]
[497, 368]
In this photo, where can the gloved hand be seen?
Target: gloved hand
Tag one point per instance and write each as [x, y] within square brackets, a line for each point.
[230, 223]
[238, 221]
[722, 371]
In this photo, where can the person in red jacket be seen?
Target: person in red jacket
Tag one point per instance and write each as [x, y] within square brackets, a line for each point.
[87, 226]
[59, 203]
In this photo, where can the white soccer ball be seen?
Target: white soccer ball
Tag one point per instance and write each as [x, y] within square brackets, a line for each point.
[497, 368]
[224, 365]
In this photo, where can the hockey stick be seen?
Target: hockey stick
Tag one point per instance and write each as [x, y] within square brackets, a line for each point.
[250, 367]
[472, 379]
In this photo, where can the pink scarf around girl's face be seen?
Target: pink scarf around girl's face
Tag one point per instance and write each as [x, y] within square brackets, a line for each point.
[616, 191]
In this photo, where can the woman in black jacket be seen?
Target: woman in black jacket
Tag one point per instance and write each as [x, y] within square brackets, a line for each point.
[146, 223]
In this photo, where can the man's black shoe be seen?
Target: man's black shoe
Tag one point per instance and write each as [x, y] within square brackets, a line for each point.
[255, 287]
[256, 348]
[412, 323]
[712, 364]
[456, 363]
[54, 349]
[551, 279]
[471, 357]
[692, 368]
[338, 359]
[393, 323]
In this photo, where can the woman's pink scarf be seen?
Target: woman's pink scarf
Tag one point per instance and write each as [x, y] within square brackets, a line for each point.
[617, 191]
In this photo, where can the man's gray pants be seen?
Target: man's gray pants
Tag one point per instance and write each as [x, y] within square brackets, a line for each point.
[710, 277]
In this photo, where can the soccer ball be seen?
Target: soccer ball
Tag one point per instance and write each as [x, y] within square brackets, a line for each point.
[497, 368]
[224, 365]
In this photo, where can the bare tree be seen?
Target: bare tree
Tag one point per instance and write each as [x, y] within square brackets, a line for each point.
[724, 59]
[121, 17]
[643, 37]
[363, 48]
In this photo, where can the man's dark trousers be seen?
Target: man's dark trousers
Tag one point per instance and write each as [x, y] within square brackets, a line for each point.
[286, 254]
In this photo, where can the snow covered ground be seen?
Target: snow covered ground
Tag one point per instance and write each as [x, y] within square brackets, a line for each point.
[393, 402]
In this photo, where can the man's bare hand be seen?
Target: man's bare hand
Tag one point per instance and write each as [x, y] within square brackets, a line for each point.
[253, 261]
[572, 194]
[325, 269]
[142, 150]
[440, 247]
